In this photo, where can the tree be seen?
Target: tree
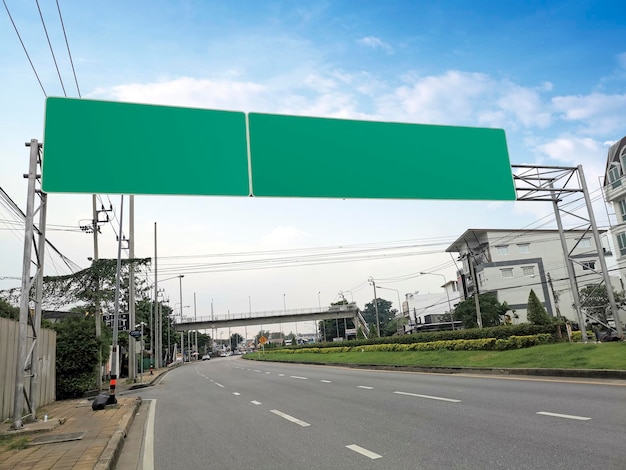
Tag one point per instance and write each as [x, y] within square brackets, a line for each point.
[9, 311]
[385, 315]
[77, 356]
[490, 310]
[235, 340]
[594, 301]
[536, 312]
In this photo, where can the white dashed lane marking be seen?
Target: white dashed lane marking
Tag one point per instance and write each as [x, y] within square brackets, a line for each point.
[326, 381]
[298, 377]
[254, 402]
[365, 387]
[290, 418]
[365, 452]
[558, 415]
[451, 400]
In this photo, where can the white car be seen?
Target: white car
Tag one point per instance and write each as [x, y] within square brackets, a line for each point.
[206, 357]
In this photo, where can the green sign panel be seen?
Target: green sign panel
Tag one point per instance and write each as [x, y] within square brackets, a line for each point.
[336, 158]
[110, 147]
[121, 148]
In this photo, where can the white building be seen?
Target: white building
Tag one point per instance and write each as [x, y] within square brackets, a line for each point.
[615, 194]
[426, 312]
[510, 263]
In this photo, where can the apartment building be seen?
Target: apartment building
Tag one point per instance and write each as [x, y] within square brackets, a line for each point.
[615, 194]
[510, 263]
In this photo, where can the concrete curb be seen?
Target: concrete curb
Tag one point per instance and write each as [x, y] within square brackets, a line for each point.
[112, 451]
[578, 373]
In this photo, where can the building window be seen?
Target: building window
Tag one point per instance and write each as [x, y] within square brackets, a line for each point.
[622, 209]
[523, 248]
[614, 176]
[481, 279]
[621, 243]
[528, 270]
[502, 249]
[507, 272]
[585, 243]
[588, 265]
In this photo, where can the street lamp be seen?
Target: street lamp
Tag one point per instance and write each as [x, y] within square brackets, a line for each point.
[445, 281]
[373, 283]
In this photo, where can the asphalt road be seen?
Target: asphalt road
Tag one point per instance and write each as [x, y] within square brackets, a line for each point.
[234, 413]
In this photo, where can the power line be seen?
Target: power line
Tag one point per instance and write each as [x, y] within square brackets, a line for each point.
[51, 50]
[24, 47]
[69, 53]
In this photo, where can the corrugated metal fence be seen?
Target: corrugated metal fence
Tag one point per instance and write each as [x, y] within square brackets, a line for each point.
[9, 330]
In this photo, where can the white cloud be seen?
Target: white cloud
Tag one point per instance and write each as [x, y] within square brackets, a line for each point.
[375, 43]
[597, 113]
[574, 151]
[188, 91]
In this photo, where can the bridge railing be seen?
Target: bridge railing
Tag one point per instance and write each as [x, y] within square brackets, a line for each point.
[271, 313]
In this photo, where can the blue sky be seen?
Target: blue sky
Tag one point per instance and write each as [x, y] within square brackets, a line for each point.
[551, 74]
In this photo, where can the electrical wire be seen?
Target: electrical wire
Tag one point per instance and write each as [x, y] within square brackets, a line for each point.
[25, 50]
[69, 53]
[56, 65]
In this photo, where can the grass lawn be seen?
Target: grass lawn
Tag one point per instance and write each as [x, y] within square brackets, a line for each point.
[548, 356]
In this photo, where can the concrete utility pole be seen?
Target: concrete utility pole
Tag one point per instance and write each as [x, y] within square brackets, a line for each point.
[116, 316]
[472, 264]
[371, 280]
[182, 333]
[132, 359]
[96, 313]
[156, 352]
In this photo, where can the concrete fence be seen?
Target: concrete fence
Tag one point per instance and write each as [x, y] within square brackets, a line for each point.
[9, 331]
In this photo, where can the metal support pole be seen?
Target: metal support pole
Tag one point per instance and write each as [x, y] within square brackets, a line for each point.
[18, 397]
[605, 271]
[570, 269]
[35, 366]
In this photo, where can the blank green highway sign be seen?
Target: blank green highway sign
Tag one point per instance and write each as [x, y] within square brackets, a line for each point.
[314, 157]
[121, 148]
[107, 147]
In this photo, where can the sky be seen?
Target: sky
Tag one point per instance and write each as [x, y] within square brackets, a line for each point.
[552, 74]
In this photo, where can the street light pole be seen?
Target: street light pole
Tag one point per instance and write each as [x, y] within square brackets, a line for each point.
[445, 282]
[373, 283]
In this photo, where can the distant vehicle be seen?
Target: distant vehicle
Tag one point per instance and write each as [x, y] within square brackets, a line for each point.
[206, 357]
[223, 354]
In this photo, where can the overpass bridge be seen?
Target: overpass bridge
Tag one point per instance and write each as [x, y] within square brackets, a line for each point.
[335, 312]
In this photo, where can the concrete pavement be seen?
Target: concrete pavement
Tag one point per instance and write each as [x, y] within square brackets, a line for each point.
[74, 436]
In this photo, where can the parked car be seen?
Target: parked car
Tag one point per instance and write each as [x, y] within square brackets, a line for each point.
[206, 357]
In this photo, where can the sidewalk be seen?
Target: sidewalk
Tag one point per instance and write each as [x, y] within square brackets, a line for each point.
[74, 436]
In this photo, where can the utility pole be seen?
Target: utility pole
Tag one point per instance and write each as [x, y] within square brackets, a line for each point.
[114, 348]
[371, 280]
[195, 318]
[556, 308]
[132, 359]
[472, 265]
[96, 314]
[156, 352]
[182, 333]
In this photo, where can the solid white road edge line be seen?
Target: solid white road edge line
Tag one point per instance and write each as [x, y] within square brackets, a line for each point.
[558, 415]
[290, 418]
[451, 400]
[365, 452]
[148, 444]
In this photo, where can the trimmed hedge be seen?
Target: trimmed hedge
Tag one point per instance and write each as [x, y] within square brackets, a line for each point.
[497, 332]
[481, 344]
